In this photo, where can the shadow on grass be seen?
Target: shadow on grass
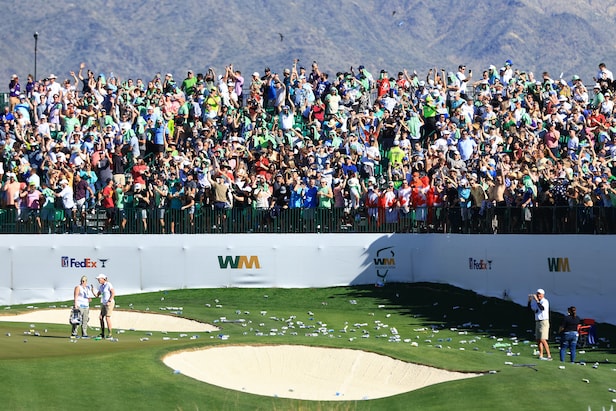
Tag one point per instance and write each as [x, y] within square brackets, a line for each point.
[443, 306]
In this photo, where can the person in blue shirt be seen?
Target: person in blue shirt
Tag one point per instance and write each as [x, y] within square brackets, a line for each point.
[310, 204]
[310, 197]
[464, 196]
[7, 116]
[348, 166]
[23, 106]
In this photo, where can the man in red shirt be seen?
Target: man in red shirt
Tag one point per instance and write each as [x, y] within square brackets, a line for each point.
[382, 84]
[108, 203]
[419, 196]
[262, 166]
[140, 171]
[596, 122]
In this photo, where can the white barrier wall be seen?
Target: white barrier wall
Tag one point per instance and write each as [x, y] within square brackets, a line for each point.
[574, 270]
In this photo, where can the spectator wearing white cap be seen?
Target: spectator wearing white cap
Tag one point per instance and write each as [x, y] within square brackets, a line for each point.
[598, 97]
[53, 87]
[107, 294]
[43, 127]
[10, 190]
[540, 306]
[14, 91]
[286, 119]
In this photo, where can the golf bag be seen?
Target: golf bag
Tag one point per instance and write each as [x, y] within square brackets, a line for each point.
[75, 317]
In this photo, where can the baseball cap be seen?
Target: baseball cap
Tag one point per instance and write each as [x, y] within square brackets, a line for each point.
[540, 291]
[101, 276]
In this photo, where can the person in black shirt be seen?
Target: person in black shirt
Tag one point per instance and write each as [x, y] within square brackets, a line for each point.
[569, 334]
[142, 203]
[118, 162]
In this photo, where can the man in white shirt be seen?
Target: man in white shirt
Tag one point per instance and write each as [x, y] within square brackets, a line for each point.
[463, 78]
[53, 88]
[541, 308]
[107, 294]
[68, 201]
[604, 73]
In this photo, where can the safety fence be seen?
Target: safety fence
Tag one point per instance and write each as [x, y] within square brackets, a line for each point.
[208, 220]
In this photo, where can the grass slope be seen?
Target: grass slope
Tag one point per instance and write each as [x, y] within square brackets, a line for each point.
[49, 372]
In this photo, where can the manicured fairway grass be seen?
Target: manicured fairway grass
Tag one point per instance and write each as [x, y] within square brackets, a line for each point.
[51, 373]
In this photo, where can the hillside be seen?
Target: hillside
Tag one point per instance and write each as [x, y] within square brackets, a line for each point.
[140, 38]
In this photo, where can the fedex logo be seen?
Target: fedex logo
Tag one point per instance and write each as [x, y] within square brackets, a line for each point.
[68, 262]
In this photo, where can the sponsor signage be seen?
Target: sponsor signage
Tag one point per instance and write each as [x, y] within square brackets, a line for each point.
[558, 264]
[479, 264]
[384, 260]
[249, 262]
[87, 262]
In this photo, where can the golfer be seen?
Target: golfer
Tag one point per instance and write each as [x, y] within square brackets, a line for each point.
[541, 307]
[81, 297]
[107, 294]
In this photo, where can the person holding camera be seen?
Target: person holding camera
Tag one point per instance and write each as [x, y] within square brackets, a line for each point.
[540, 306]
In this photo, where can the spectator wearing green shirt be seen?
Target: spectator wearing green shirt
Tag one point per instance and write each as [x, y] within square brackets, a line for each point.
[396, 154]
[189, 83]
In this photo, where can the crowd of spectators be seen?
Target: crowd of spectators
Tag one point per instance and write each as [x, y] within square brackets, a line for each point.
[439, 151]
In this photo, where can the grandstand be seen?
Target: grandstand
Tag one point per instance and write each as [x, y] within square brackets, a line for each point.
[308, 152]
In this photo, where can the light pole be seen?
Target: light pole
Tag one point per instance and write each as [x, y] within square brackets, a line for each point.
[35, 47]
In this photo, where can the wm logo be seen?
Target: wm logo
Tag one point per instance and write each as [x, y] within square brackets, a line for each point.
[239, 261]
[558, 264]
[385, 261]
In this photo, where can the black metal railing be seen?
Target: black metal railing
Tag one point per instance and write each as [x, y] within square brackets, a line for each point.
[206, 220]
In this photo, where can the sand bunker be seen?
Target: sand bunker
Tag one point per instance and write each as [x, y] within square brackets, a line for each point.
[121, 320]
[308, 373]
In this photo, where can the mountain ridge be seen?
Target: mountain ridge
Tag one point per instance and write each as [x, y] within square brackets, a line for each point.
[141, 38]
